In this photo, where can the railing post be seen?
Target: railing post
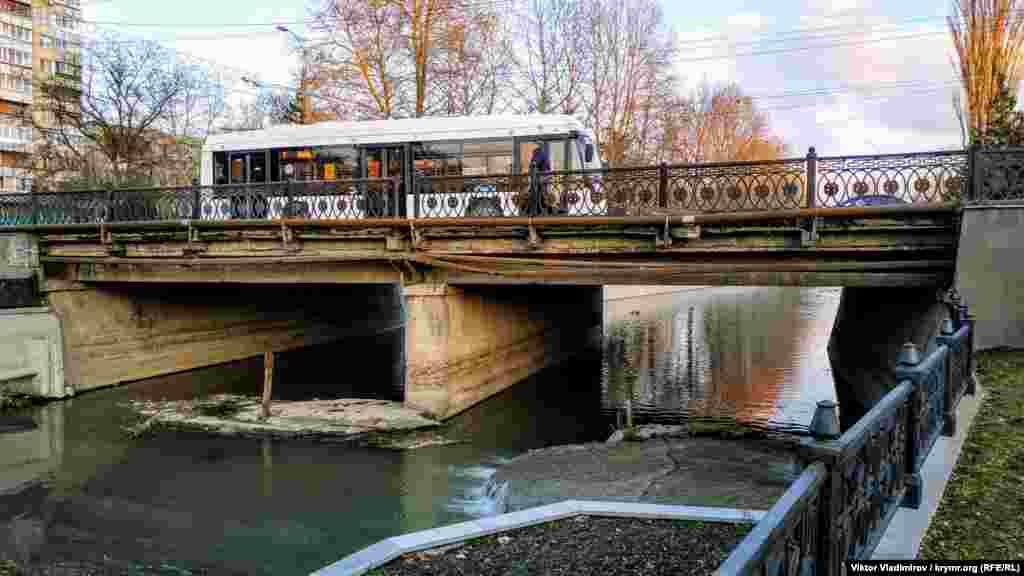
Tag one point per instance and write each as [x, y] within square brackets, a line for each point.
[414, 182]
[111, 214]
[949, 412]
[812, 193]
[812, 177]
[972, 378]
[906, 369]
[34, 204]
[197, 211]
[663, 185]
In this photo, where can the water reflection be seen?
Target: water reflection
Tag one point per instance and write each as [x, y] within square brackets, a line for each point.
[756, 355]
[76, 488]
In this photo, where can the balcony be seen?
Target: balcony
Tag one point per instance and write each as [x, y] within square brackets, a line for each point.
[22, 10]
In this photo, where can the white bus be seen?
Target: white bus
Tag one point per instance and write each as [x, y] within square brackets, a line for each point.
[432, 167]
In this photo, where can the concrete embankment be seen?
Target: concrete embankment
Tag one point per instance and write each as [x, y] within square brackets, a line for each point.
[687, 470]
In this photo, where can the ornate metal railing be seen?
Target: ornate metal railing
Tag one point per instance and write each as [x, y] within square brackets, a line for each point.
[998, 174]
[785, 542]
[864, 476]
[919, 178]
[909, 178]
[364, 198]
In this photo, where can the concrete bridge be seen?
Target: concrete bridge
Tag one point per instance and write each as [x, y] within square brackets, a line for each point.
[152, 281]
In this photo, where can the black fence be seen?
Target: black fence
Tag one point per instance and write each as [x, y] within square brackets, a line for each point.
[851, 487]
[848, 181]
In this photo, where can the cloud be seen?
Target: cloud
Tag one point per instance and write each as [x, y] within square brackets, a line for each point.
[907, 83]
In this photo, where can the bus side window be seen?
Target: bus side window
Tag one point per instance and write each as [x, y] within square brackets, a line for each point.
[220, 174]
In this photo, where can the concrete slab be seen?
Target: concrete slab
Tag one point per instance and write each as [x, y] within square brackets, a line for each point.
[436, 537]
[366, 559]
[668, 512]
[902, 539]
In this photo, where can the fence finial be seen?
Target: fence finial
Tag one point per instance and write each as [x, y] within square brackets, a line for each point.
[825, 423]
[947, 327]
[909, 355]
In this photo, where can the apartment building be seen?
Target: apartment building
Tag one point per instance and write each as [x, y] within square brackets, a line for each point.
[39, 41]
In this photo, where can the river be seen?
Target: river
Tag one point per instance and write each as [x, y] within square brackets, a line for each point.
[76, 492]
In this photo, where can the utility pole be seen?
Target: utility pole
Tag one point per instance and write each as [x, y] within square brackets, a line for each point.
[302, 95]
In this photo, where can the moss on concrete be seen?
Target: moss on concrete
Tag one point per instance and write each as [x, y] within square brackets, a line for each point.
[981, 515]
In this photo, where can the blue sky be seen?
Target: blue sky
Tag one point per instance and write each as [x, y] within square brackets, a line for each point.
[911, 78]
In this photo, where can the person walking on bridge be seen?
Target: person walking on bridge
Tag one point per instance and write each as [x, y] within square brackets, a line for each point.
[539, 165]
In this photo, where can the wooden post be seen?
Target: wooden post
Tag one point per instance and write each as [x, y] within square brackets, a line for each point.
[268, 381]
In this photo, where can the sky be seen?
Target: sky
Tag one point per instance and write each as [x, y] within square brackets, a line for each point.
[879, 73]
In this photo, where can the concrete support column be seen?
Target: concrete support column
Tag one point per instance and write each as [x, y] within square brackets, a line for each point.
[871, 326]
[990, 272]
[465, 344]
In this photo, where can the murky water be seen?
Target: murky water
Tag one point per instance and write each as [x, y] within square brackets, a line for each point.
[76, 491]
[754, 355]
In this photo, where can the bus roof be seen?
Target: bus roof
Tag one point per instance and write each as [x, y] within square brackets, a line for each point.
[393, 131]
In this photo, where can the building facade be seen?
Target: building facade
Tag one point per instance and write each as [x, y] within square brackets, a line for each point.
[39, 40]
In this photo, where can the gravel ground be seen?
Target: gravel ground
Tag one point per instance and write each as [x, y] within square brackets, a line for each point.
[583, 545]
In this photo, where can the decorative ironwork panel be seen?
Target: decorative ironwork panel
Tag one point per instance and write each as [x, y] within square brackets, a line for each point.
[319, 200]
[959, 364]
[785, 542]
[872, 481]
[894, 178]
[1000, 174]
[738, 187]
[472, 196]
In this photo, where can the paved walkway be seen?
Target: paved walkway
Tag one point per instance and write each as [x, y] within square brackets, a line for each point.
[902, 539]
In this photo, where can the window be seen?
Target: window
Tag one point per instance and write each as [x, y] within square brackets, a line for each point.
[337, 163]
[438, 159]
[47, 66]
[15, 8]
[45, 41]
[16, 57]
[16, 32]
[67, 69]
[487, 157]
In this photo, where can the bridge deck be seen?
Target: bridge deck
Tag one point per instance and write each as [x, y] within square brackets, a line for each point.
[874, 246]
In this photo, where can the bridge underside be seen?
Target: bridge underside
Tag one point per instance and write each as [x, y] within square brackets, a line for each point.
[908, 246]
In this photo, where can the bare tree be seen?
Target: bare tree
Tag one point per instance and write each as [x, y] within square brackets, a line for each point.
[471, 73]
[553, 65]
[630, 62]
[719, 124]
[135, 99]
[379, 56]
[988, 36]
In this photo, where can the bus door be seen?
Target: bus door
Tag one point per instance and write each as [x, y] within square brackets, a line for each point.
[386, 162]
[248, 168]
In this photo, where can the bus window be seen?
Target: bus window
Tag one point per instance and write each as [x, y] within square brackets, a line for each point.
[257, 167]
[557, 155]
[438, 159]
[336, 163]
[237, 170]
[487, 157]
[220, 171]
[525, 153]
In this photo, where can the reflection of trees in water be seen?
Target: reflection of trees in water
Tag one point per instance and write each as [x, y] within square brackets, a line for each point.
[722, 353]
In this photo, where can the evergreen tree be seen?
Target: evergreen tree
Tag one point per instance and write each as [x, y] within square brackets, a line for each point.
[1005, 125]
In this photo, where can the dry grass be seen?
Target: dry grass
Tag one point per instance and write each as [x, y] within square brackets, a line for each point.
[982, 511]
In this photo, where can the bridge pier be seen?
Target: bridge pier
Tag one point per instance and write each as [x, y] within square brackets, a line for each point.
[466, 343]
[116, 333]
[871, 326]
